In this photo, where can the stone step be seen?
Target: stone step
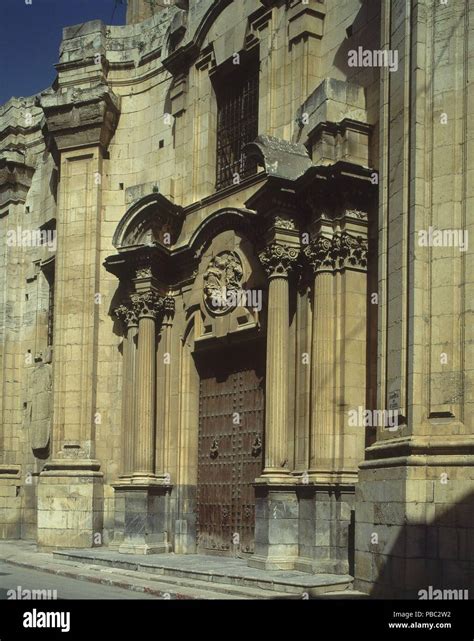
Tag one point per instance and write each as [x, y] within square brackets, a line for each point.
[222, 574]
[217, 589]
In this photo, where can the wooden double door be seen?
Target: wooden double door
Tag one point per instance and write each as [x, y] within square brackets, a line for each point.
[230, 447]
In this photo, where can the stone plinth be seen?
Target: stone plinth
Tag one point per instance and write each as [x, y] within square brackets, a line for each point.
[70, 505]
[276, 527]
[140, 517]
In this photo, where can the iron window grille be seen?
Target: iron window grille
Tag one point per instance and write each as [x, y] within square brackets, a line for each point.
[237, 123]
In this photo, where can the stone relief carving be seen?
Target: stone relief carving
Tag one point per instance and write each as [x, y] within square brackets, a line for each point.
[144, 272]
[354, 250]
[39, 409]
[278, 260]
[284, 223]
[338, 252]
[169, 305]
[147, 304]
[224, 275]
[126, 314]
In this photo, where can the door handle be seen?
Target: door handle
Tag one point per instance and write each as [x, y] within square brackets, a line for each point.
[257, 446]
[214, 450]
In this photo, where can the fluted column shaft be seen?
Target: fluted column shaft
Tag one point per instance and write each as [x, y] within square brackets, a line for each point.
[163, 379]
[277, 261]
[145, 398]
[323, 367]
[128, 397]
[126, 315]
[276, 428]
[147, 306]
[329, 257]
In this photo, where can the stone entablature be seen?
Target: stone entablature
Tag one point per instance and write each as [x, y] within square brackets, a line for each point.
[81, 117]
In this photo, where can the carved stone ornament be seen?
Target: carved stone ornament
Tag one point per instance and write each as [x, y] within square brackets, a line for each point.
[223, 276]
[125, 313]
[338, 252]
[284, 223]
[168, 305]
[354, 250]
[144, 272]
[278, 260]
[147, 304]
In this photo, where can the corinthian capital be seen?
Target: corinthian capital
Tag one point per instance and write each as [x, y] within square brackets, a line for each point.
[278, 260]
[147, 304]
[354, 251]
[339, 252]
[125, 313]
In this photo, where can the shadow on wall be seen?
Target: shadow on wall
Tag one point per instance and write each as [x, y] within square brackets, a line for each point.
[361, 33]
[439, 554]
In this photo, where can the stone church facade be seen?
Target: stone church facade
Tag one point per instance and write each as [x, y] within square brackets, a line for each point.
[229, 258]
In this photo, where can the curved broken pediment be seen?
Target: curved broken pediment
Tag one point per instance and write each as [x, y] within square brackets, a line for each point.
[151, 220]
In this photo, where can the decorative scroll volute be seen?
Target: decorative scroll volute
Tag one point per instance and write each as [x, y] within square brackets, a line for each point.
[278, 260]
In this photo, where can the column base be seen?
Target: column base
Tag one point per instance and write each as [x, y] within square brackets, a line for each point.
[70, 504]
[141, 516]
[276, 527]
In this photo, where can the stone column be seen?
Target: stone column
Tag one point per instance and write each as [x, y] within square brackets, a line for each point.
[147, 305]
[126, 314]
[276, 527]
[277, 261]
[141, 498]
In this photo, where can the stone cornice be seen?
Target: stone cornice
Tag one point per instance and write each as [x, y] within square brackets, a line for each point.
[421, 451]
[81, 117]
[15, 177]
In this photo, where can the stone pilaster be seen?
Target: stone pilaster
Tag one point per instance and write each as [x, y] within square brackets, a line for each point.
[414, 507]
[163, 390]
[338, 261]
[332, 258]
[80, 124]
[127, 315]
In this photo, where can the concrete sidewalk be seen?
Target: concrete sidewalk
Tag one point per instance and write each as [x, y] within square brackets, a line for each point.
[171, 576]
